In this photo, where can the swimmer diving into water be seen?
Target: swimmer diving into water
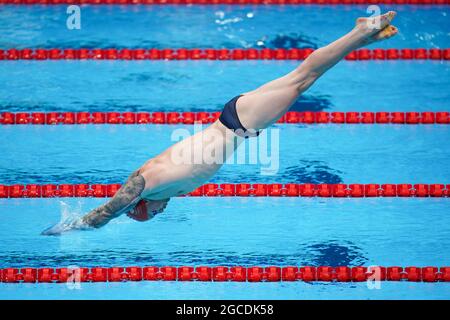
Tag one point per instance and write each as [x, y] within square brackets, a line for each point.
[148, 189]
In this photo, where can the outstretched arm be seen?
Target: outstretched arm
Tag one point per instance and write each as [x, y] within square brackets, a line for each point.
[124, 200]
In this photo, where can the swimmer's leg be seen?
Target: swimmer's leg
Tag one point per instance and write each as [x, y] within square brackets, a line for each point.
[262, 107]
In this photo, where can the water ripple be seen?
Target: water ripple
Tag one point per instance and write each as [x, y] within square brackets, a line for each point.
[330, 253]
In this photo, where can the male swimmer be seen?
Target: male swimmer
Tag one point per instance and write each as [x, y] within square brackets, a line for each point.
[148, 189]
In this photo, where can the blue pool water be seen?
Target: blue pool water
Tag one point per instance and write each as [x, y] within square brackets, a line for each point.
[235, 232]
[180, 86]
[212, 26]
[224, 231]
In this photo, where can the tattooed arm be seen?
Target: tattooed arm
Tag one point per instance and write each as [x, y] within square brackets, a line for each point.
[124, 200]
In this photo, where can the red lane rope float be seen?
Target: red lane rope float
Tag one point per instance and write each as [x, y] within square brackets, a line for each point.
[226, 274]
[229, 2]
[239, 190]
[291, 117]
[215, 54]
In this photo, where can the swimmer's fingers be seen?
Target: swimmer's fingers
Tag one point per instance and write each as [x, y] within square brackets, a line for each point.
[54, 230]
[64, 226]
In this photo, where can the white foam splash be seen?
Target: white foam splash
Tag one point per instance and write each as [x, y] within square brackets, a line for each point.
[70, 220]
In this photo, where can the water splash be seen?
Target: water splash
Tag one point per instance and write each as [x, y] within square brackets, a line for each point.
[70, 220]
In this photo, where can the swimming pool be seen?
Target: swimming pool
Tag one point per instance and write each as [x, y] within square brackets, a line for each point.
[224, 231]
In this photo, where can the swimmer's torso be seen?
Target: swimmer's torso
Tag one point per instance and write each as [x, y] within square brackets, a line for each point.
[188, 164]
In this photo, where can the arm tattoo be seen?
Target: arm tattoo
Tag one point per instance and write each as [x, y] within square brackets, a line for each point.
[125, 199]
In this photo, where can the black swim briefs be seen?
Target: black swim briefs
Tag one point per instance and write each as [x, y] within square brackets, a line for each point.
[230, 119]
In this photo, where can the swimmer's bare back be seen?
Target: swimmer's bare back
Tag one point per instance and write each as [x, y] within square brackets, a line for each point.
[148, 189]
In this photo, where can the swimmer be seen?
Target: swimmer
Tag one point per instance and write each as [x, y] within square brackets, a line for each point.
[148, 189]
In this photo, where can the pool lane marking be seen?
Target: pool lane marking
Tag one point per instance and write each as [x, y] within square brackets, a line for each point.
[227, 2]
[429, 274]
[174, 117]
[175, 54]
[240, 190]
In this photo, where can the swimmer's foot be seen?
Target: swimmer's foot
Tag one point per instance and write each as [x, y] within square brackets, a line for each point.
[376, 28]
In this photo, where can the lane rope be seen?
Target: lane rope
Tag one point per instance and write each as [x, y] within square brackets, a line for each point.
[291, 117]
[239, 190]
[228, 2]
[215, 54]
[226, 274]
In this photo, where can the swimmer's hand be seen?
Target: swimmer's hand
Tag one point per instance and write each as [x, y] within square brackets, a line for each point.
[65, 226]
